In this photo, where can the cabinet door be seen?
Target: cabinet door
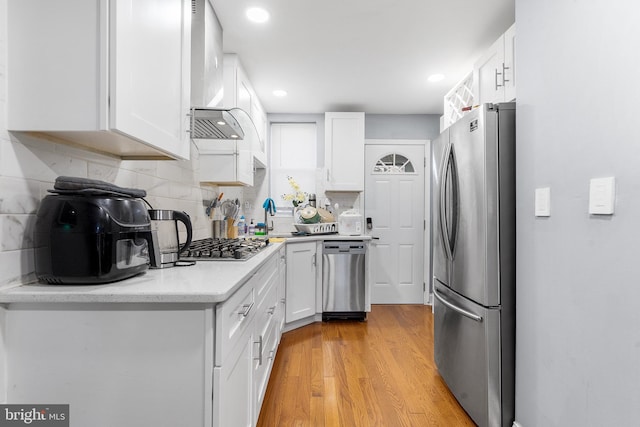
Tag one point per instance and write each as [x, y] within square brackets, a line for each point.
[229, 163]
[282, 299]
[233, 404]
[488, 74]
[344, 151]
[510, 64]
[150, 72]
[301, 281]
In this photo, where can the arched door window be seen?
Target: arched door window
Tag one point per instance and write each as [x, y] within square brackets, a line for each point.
[393, 164]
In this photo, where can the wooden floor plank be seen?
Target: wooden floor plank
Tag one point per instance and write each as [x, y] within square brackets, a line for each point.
[347, 373]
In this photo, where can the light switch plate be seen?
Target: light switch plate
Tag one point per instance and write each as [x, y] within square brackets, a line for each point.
[602, 195]
[543, 202]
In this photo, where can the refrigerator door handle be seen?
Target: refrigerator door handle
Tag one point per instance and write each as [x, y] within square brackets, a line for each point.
[455, 205]
[449, 201]
[457, 309]
[444, 231]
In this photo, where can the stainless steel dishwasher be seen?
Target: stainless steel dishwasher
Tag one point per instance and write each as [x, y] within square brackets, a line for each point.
[343, 280]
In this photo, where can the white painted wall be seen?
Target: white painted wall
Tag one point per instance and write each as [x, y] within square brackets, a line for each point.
[578, 276]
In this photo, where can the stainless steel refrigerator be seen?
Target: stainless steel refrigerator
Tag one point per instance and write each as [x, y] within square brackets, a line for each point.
[473, 261]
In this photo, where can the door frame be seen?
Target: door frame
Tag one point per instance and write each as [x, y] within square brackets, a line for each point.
[427, 295]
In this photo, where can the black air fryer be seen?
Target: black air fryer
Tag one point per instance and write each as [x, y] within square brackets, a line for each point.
[91, 232]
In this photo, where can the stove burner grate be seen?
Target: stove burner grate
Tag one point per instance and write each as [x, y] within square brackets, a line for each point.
[223, 249]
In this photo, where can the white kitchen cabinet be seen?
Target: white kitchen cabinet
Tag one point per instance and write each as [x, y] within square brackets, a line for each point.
[225, 162]
[282, 287]
[495, 73]
[265, 340]
[246, 344]
[112, 76]
[344, 151]
[302, 259]
[115, 364]
[233, 381]
[239, 93]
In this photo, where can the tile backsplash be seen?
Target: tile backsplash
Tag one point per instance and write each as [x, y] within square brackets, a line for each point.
[29, 167]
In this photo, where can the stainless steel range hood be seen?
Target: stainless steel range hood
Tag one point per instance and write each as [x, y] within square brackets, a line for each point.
[217, 123]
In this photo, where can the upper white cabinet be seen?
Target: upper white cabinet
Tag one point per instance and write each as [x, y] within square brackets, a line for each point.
[495, 73]
[239, 93]
[225, 162]
[344, 151]
[113, 76]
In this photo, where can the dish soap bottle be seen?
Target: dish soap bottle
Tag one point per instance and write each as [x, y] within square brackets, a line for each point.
[242, 226]
[252, 228]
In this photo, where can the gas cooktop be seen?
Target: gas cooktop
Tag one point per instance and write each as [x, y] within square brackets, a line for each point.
[223, 249]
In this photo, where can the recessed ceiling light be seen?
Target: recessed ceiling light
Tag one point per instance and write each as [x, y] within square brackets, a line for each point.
[435, 78]
[256, 14]
[280, 92]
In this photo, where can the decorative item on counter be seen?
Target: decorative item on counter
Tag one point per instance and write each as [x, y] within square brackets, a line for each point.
[298, 196]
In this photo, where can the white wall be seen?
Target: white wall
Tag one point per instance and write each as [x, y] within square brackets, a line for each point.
[28, 168]
[578, 276]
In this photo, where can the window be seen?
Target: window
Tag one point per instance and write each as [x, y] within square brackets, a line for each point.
[393, 164]
[293, 153]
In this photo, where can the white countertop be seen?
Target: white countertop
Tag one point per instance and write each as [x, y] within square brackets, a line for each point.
[204, 282]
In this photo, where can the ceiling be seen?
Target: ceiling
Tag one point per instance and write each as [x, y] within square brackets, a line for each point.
[360, 55]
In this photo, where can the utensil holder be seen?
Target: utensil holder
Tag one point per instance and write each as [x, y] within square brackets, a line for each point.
[219, 230]
[232, 230]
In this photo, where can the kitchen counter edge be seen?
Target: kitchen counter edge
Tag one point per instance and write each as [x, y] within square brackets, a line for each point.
[204, 282]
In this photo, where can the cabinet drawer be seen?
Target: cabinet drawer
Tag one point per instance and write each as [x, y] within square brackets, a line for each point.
[262, 365]
[267, 308]
[233, 318]
[265, 277]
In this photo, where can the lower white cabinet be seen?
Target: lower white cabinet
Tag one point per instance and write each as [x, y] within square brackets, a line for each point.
[114, 364]
[232, 387]
[302, 260]
[118, 363]
[282, 289]
[247, 335]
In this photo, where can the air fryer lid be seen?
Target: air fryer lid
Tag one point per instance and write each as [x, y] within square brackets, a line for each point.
[88, 187]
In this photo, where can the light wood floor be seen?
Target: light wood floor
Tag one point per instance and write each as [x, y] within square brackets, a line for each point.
[347, 373]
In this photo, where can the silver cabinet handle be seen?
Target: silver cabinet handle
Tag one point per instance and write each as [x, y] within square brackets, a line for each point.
[259, 358]
[496, 78]
[313, 260]
[246, 308]
[271, 310]
[327, 174]
[504, 74]
[457, 309]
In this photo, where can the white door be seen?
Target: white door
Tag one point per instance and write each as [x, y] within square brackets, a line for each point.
[395, 218]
